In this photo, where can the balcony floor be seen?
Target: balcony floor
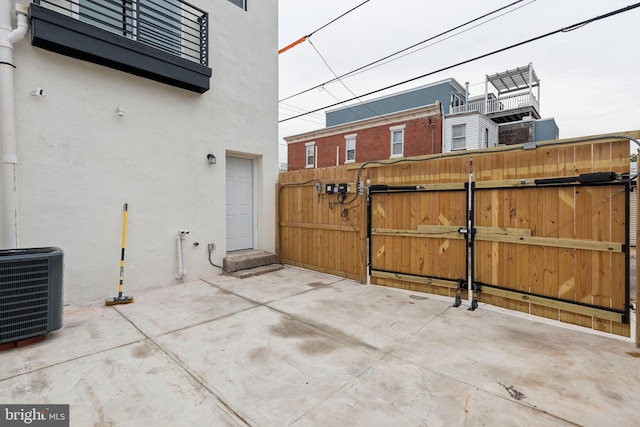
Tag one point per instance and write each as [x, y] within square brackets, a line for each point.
[513, 115]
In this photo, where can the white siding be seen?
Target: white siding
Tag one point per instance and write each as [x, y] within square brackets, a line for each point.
[471, 136]
[486, 123]
[79, 162]
[476, 123]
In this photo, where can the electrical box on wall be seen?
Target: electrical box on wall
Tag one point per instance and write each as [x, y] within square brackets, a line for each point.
[331, 188]
[342, 188]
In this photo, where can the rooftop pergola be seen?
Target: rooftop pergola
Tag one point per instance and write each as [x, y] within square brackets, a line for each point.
[515, 97]
[514, 80]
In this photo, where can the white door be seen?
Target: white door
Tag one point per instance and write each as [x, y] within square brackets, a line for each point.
[239, 204]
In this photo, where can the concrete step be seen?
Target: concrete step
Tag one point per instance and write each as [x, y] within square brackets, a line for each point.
[247, 259]
[256, 271]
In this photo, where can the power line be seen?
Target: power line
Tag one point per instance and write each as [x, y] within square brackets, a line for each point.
[343, 84]
[315, 122]
[303, 38]
[402, 50]
[378, 64]
[560, 30]
[290, 107]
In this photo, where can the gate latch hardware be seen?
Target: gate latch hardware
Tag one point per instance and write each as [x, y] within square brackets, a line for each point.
[463, 230]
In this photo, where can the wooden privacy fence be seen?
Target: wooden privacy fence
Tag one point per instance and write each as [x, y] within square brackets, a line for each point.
[320, 231]
[542, 230]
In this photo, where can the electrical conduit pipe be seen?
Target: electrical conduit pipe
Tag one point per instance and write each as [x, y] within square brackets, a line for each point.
[8, 38]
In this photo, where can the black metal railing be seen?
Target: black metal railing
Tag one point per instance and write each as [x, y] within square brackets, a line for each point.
[173, 26]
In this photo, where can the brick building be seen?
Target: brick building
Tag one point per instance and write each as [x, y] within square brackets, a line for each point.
[435, 118]
[407, 133]
[403, 124]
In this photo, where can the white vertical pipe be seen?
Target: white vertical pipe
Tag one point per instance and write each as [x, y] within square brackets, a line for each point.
[180, 274]
[8, 120]
[182, 254]
[184, 257]
[466, 95]
[531, 81]
[486, 95]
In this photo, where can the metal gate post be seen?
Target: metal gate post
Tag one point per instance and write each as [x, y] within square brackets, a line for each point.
[627, 258]
[474, 288]
[369, 262]
[469, 231]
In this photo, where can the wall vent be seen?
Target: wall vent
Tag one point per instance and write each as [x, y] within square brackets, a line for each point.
[30, 292]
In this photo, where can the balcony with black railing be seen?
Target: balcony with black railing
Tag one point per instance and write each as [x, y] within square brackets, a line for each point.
[163, 40]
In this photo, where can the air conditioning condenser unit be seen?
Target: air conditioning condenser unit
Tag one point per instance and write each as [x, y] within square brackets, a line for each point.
[30, 292]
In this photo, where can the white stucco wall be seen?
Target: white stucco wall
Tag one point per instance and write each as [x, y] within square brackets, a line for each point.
[79, 162]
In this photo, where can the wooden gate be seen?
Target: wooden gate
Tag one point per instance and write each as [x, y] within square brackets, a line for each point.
[416, 212]
[541, 230]
[544, 231]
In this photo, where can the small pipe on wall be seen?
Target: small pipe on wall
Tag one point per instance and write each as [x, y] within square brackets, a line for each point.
[182, 254]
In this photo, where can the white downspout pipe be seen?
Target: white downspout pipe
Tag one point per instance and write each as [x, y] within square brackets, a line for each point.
[8, 119]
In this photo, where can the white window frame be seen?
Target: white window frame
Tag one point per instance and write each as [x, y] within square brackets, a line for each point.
[393, 130]
[459, 142]
[456, 101]
[350, 146]
[310, 147]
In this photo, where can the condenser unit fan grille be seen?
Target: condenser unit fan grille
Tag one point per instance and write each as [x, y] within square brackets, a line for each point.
[24, 298]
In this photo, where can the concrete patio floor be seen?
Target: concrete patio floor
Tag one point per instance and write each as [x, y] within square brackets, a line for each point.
[295, 347]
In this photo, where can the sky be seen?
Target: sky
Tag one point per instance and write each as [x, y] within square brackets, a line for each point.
[588, 76]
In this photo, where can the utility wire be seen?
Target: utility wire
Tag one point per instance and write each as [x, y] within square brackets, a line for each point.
[291, 107]
[340, 78]
[303, 38]
[560, 30]
[402, 50]
[380, 64]
[341, 82]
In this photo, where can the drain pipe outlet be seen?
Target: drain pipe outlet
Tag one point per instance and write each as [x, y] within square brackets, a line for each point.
[8, 119]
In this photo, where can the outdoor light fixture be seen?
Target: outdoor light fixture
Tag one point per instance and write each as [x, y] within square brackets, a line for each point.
[211, 159]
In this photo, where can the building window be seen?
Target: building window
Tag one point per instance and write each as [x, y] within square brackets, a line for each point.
[310, 148]
[350, 149]
[455, 100]
[458, 137]
[116, 17]
[156, 23]
[397, 141]
[159, 24]
[240, 3]
[486, 138]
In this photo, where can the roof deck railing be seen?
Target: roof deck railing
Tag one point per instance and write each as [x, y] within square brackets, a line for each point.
[499, 104]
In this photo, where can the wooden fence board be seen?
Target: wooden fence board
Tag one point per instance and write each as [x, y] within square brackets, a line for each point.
[538, 249]
[566, 266]
[313, 232]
